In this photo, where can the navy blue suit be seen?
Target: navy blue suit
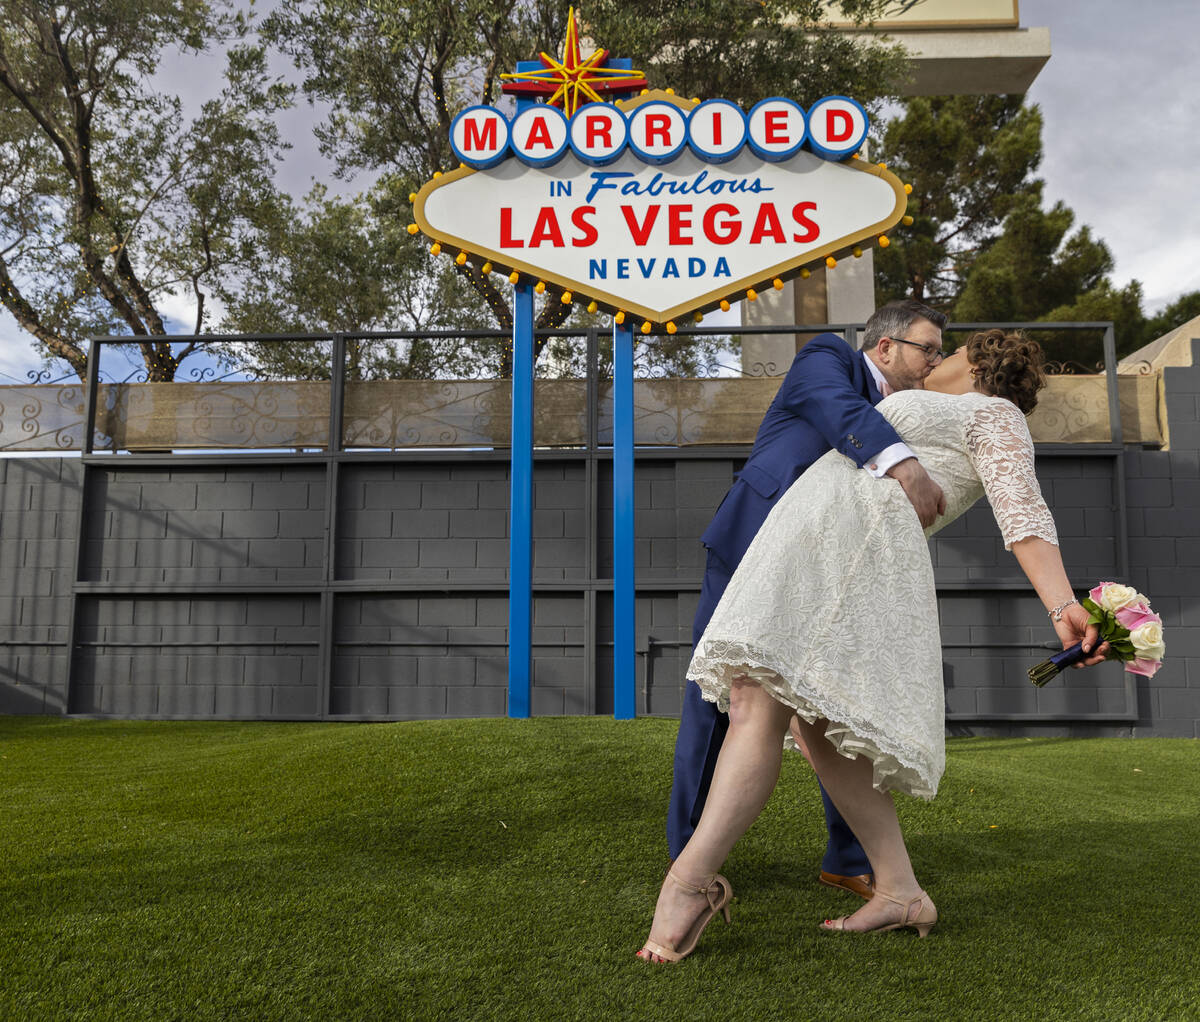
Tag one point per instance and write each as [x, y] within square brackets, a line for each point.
[826, 401]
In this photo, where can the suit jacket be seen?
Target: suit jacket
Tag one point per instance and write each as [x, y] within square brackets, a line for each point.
[826, 401]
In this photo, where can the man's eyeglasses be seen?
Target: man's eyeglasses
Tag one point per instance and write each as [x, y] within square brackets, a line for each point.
[932, 355]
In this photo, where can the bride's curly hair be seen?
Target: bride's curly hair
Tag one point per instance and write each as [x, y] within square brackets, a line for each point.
[1008, 365]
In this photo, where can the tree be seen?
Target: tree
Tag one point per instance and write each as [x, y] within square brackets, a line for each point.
[109, 202]
[981, 246]
[403, 71]
[970, 160]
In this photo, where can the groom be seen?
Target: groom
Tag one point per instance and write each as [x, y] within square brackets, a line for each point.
[826, 401]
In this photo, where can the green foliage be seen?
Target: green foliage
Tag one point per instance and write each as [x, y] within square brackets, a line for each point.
[110, 203]
[983, 249]
[1184, 308]
[400, 73]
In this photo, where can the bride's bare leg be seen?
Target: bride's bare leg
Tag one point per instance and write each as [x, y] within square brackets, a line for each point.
[872, 816]
[743, 780]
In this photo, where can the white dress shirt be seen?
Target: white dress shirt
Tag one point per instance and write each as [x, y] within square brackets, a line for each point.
[895, 453]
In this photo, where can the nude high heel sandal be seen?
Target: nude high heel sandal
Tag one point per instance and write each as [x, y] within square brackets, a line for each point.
[719, 892]
[921, 920]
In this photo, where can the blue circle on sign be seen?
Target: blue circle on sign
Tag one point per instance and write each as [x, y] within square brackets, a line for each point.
[579, 118]
[705, 147]
[527, 117]
[492, 116]
[760, 147]
[848, 147]
[658, 109]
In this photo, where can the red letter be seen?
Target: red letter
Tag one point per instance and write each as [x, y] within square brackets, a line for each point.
[539, 134]
[811, 230]
[598, 126]
[767, 223]
[590, 234]
[776, 127]
[475, 137]
[506, 238]
[545, 228]
[831, 132]
[677, 224]
[716, 127]
[725, 232]
[660, 125]
[640, 232]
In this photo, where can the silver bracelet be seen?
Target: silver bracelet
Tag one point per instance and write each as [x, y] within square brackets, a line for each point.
[1057, 612]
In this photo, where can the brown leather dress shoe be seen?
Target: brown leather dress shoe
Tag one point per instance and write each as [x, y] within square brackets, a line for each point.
[863, 886]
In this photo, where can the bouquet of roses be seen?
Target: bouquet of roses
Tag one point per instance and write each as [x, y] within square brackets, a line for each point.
[1131, 629]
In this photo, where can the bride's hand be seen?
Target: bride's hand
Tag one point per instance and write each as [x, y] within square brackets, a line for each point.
[1075, 627]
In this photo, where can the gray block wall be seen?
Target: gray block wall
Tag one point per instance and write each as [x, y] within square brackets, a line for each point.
[375, 586]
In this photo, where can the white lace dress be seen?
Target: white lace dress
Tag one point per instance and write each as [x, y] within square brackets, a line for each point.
[833, 609]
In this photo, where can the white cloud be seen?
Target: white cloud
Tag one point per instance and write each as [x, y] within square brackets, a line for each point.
[1119, 102]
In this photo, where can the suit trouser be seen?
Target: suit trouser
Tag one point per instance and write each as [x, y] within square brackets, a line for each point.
[702, 729]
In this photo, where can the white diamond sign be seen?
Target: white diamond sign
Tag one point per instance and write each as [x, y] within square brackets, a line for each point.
[659, 240]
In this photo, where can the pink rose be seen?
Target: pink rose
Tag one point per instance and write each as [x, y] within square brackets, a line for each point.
[1133, 617]
[1145, 667]
[1097, 594]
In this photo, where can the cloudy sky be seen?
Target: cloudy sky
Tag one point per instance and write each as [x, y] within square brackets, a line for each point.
[1122, 140]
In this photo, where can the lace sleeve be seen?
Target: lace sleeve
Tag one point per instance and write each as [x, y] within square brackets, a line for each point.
[1001, 450]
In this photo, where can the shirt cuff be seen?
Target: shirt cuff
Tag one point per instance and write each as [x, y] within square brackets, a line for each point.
[878, 466]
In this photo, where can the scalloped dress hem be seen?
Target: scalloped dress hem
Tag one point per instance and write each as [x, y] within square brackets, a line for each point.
[892, 769]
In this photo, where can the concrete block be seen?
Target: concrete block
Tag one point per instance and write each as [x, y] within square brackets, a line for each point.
[491, 671]
[160, 494]
[547, 702]
[557, 610]
[130, 700]
[445, 671]
[359, 701]
[226, 496]
[476, 702]
[471, 523]
[494, 494]
[386, 671]
[291, 494]
[248, 524]
[295, 702]
[492, 553]
[450, 495]
[242, 702]
[298, 524]
[546, 523]
[418, 703]
[363, 524]
[446, 553]
[491, 610]
[390, 553]
[553, 494]
[138, 525]
[387, 611]
[391, 494]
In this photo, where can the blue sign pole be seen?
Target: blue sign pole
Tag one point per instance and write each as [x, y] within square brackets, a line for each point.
[624, 615]
[520, 520]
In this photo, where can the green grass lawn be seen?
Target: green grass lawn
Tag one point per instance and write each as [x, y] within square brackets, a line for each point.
[504, 869]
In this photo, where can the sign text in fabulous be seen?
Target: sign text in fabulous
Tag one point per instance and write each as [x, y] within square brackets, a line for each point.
[660, 225]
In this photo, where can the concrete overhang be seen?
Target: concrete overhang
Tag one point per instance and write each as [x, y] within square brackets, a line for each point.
[973, 62]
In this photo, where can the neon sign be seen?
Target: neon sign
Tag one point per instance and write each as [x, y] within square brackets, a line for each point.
[657, 206]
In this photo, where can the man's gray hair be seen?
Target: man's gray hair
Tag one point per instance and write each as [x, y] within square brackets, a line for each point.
[894, 319]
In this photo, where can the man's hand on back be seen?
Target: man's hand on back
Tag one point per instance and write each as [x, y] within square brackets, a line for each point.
[926, 496]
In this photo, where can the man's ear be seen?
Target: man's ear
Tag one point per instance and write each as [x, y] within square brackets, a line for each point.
[884, 347]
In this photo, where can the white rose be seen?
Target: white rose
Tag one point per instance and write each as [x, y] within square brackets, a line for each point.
[1116, 596]
[1146, 637]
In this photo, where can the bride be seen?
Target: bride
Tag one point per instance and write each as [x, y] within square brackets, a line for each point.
[828, 635]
